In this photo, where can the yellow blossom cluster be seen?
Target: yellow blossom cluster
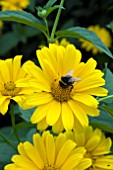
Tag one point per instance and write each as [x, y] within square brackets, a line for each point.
[97, 147]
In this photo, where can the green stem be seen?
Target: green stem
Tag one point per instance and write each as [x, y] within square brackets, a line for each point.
[56, 22]
[13, 121]
[47, 28]
[7, 141]
[105, 98]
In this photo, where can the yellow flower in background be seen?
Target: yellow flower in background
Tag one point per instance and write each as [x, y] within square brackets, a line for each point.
[14, 4]
[63, 42]
[13, 82]
[49, 153]
[102, 33]
[63, 88]
[96, 145]
[1, 25]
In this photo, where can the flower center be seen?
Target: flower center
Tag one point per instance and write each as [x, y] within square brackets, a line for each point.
[60, 92]
[10, 89]
[50, 167]
[88, 155]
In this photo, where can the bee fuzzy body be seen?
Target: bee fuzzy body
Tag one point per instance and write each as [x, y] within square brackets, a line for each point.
[68, 80]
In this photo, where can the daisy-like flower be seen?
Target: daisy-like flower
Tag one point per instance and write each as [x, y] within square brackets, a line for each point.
[102, 33]
[64, 88]
[14, 4]
[49, 153]
[96, 145]
[13, 82]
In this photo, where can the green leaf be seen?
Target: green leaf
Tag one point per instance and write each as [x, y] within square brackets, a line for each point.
[26, 114]
[80, 32]
[23, 125]
[6, 131]
[23, 18]
[23, 129]
[30, 134]
[109, 86]
[108, 109]
[109, 81]
[6, 152]
[104, 121]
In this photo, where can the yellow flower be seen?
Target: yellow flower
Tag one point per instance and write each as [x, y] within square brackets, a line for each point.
[49, 153]
[63, 42]
[96, 145]
[103, 34]
[14, 4]
[13, 80]
[1, 25]
[64, 88]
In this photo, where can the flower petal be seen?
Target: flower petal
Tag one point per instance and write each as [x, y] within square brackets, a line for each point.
[42, 125]
[97, 91]
[60, 140]
[78, 112]
[67, 116]
[40, 113]
[16, 66]
[50, 149]
[36, 73]
[30, 151]
[37, 99]
[4, 106]
[40, 147]
[85, 163]
[58, 126]
[66, 149]
[24, 162]
[4, 71]
[53, 112]
[91, 111]
[86, 99]
[72, 162]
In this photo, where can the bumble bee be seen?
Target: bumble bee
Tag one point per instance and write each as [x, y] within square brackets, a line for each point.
[68, 80]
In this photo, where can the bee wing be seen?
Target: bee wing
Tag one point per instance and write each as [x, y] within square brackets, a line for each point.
[74, 79]
[70, 72]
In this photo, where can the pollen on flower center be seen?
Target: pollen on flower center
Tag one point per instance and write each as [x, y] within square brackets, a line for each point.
[10, 89]
[61, 94]
[9, 86]
[50, 167]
